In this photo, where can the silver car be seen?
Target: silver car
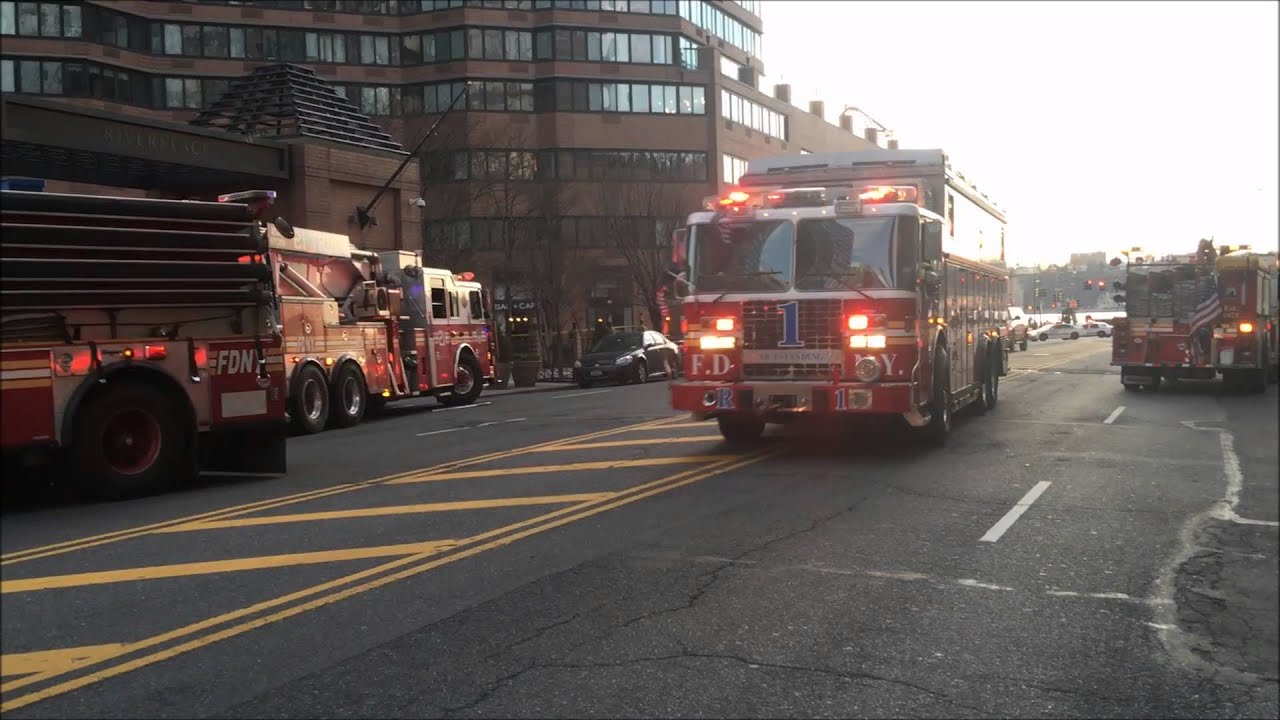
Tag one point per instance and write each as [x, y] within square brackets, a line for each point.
[1062, 331]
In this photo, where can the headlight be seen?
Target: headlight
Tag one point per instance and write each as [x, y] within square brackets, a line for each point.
[624, 360]
[867, 369]
[577, 363]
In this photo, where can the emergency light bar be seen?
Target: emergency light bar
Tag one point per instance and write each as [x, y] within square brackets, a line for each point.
[888, 193]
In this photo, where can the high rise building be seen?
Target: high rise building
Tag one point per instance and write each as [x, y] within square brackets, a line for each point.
[589, 127]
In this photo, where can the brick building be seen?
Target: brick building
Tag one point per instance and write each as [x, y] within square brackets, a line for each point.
[588, 129]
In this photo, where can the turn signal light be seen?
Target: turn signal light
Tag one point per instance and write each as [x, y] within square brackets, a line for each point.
[874, 342]
[724, 324]
[859, 322]
[717, 342]
[1246, 327]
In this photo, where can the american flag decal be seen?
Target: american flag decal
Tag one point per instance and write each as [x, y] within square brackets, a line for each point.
[1206, 312]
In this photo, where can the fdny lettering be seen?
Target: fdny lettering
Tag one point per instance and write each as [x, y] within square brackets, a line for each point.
[233, 362]
[719, 365]
[886, 359]
[724, 398]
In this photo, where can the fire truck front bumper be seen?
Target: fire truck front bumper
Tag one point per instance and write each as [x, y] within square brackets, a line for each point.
[790, 400]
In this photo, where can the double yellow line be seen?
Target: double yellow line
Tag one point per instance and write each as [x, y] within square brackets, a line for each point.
[235, 511]
[207, 632]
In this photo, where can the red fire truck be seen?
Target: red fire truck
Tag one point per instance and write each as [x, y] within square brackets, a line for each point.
[1197, 316]
[1245, 349]
[861, 283]
[138, 340]
[362, 328]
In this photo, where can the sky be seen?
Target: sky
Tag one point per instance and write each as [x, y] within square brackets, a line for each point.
[1093, 125]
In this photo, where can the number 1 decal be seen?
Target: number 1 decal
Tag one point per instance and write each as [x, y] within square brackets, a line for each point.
[842, 399]
[790, 325]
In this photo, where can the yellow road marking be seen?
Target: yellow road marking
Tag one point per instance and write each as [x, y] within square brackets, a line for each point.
[55, 661]
[393, 510]
[129, 533]
[563, 515]
[1023, 371]
[702, 425]
[629, 443]
[157, 572]
[567, 467]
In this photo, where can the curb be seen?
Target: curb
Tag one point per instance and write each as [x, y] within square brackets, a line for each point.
[491, 392]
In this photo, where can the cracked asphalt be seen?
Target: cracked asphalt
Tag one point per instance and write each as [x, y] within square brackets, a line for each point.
[652, 571]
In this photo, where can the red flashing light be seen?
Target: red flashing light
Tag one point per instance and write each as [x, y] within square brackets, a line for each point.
[887, 193]
[859, 322]
[724, 324]
[465, 276]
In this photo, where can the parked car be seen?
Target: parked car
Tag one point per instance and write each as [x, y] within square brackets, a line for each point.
[1063, 331]
[627, 357]
[1101, 329]
[1017, 327]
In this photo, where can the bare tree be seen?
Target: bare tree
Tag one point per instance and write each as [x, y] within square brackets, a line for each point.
[639, 218]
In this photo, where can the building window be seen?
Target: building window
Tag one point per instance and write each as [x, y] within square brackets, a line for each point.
[734, 168]
[753, 115]
[583, 96]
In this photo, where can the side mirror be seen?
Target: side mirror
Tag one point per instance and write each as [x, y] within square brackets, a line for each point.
[931, 242]
[1117, 285]
[283, 227]
[680, 248]
[932, 283]
[1118, 298]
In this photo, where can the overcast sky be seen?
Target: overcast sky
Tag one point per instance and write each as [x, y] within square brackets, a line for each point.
[1094, 125]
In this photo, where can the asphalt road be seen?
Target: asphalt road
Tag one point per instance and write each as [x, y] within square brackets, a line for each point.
[1079, 551]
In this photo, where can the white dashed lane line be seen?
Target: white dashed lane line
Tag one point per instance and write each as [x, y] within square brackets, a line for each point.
[1012, 516]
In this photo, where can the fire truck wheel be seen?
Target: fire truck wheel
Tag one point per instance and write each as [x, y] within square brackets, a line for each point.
[349, 397]
[128, 442]
[991, 389]
[939, 427]
[1023, 345]
[741, 430]
[310, 411]
[468, 381]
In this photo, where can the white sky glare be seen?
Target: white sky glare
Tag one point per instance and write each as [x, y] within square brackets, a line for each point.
[1094, 125]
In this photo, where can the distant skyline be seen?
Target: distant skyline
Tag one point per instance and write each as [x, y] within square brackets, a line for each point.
[1094, 126]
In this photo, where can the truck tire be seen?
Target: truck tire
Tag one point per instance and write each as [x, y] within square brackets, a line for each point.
[935, 433]
[309, 407]
[468, 382]
[129, 441]
[741, 429]
[349, 397]
[1022, 345]
[993, 397]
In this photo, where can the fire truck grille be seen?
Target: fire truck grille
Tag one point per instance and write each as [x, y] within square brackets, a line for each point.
[819, 324]
[776, 371]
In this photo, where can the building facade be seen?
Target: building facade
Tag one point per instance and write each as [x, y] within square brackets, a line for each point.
[587, 128]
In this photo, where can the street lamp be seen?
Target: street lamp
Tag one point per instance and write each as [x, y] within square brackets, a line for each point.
[851, 110]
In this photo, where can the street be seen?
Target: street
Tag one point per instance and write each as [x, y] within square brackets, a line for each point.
[1081, 551]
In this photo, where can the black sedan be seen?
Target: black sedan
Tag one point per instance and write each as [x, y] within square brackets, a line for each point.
[627, 357]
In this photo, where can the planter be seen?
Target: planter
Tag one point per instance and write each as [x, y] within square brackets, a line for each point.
[501, 374]
[524, 373]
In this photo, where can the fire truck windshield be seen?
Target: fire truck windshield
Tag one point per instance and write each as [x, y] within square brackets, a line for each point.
[840, 253]
[742, 256]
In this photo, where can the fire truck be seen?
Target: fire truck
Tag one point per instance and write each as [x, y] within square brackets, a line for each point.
[863, 283]
[363, 328]
[138, 341]
[1197, 316]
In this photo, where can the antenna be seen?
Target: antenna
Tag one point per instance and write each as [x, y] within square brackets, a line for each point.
[364, 215]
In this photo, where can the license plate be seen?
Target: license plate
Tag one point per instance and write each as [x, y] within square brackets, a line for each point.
[597, 373]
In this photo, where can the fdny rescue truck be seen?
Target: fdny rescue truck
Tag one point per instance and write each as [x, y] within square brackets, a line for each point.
[859, 283]
[1197, 316]
[138, 340]
[363, 328]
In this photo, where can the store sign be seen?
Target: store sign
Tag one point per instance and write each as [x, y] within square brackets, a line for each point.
[520, 305]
